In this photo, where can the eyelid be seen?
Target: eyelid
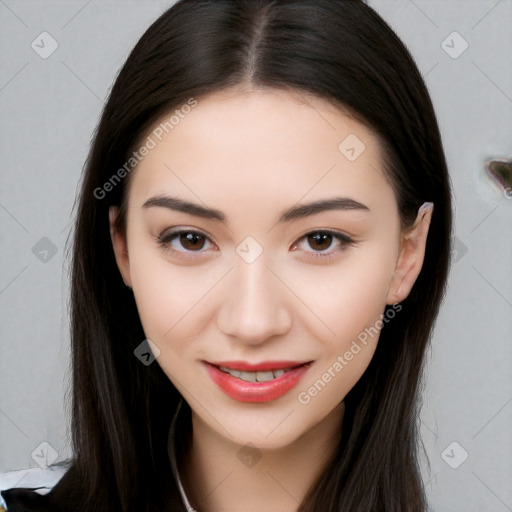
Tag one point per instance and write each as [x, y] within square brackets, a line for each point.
[165, 238]
[345, 239]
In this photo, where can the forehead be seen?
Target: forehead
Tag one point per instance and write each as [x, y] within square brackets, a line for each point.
[269, 144]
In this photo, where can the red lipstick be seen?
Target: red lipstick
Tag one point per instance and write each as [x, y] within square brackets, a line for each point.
[262, 382]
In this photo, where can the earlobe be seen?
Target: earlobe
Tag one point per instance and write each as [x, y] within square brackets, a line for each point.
[412, 253]
[119, 246]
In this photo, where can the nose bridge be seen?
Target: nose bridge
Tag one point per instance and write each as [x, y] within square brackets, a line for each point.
[255, 308]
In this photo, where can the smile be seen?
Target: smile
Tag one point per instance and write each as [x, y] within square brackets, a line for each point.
[263, 382]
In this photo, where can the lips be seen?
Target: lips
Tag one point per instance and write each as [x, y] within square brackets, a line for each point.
[262, 382]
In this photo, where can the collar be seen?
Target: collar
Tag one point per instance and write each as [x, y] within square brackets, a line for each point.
[171, 448]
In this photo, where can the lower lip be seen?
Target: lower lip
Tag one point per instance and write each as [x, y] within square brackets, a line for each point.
[244, 391]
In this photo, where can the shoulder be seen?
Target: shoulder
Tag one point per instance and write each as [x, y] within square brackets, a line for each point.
[25, 490]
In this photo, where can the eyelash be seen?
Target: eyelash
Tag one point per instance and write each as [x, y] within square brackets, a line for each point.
[166, 238]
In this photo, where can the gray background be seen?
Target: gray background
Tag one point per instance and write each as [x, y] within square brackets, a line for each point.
[49, 109]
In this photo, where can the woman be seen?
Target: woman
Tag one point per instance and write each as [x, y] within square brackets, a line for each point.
[260, 252]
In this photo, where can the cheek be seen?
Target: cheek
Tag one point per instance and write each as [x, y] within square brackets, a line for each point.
[350, 299]
[352, 307]
[172, 300]
[345, 298]
[173, 311]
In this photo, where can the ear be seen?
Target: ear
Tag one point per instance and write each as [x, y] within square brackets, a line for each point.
[412, 253]
[120, 246]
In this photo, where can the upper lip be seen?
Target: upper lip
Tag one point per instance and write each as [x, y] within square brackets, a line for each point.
[258, 367]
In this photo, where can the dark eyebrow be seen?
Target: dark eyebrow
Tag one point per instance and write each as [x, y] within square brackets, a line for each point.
[293, 213]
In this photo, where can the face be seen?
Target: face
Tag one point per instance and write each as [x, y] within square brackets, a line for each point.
[248, 283]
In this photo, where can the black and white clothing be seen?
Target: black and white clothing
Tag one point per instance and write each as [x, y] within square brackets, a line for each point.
[30, 490]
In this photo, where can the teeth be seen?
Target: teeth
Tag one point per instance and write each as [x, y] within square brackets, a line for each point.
[248, 376]
[254, 376]
[264, 376]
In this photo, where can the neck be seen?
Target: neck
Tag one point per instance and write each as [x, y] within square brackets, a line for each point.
[222, 476]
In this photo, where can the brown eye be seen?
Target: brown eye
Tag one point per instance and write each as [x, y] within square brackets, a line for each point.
[184, 241]
[324, 244]
[192, 241]
[320, 241]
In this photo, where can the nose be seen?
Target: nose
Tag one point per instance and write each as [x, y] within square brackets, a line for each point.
[255, 308]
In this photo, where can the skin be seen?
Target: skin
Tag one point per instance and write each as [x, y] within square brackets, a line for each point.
[252, 153]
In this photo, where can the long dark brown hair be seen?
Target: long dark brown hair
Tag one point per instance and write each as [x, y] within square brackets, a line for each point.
[340, 50]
